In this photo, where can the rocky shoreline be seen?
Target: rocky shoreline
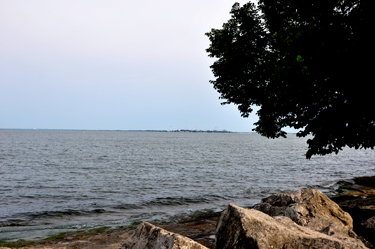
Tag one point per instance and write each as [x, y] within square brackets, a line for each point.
[357, 199]
[304, 219]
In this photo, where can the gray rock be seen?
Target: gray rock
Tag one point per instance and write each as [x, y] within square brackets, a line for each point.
[369, 223]
[148, 236]
[310, 208]
[249, 228]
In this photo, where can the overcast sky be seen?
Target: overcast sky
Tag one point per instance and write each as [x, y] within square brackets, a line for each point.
[113, 64]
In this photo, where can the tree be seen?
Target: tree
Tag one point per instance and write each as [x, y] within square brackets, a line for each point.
[305, 64]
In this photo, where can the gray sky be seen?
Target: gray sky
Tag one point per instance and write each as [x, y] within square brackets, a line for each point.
[114, 64]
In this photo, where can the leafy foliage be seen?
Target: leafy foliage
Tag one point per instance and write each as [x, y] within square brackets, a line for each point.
[304, 63]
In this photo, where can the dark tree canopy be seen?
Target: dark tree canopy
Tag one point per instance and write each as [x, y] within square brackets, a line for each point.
[306, 64]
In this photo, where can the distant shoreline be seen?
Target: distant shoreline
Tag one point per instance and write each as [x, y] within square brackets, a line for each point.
[182, 130]
[179, 130]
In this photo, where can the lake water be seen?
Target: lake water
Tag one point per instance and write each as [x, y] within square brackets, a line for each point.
[55, 181]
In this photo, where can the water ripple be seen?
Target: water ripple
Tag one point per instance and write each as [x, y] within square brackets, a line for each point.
[86, 177]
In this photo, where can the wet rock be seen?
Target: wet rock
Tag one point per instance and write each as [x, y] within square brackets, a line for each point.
[148, 236]
[365, 181]
[361, 209]
[310, 208]
[250, 228]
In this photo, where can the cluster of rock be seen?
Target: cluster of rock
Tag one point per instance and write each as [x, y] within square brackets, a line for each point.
[362, 211]
[358, 199]
[305, 219]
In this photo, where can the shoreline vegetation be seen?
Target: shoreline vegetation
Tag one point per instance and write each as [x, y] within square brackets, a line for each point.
[357, 197]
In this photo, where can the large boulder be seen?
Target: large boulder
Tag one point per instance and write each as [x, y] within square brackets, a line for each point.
[310, 208]
[148, 236]
[250, 228]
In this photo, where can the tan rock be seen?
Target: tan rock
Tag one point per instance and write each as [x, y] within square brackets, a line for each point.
[249, 228]
[310, 208]
[148, 236]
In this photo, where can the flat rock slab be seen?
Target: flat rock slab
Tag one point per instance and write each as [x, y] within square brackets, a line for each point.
[241, 228]
[148, 236]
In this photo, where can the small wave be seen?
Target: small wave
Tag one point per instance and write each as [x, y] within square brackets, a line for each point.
[127, 206]
[67, 212]
[170, 201]
[14, 223]
[98, 211]
[32, 218]
[176, 201]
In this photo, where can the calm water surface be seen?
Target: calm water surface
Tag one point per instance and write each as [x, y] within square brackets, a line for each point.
[54, 181]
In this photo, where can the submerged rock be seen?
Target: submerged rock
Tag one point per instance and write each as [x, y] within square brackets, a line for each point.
[148, 236]
[250, 228]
